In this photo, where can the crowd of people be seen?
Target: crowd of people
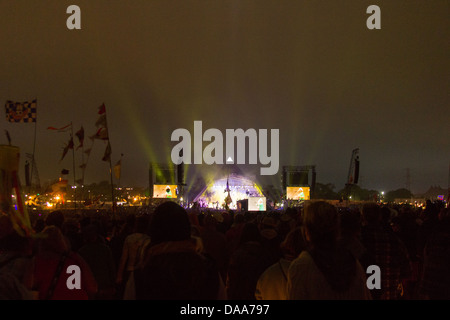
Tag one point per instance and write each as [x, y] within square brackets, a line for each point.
[317, 251]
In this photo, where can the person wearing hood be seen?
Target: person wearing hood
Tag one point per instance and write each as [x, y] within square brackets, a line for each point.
[325, 270]
[174, 265]
[270, 238]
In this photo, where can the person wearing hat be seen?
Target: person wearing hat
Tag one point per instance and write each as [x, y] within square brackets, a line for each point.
[174, 268]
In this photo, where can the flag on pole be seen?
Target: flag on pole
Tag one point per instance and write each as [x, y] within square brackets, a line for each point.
[107, 154]
[102, 109]
[101, 124]
[62, 129]
[102, 134]
[101, 121]
[66, 148]
[80, 136]
[24, 112]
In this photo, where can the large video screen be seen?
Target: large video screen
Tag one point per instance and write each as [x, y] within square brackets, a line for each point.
[257, 204]
[297, 193]
[165, 191]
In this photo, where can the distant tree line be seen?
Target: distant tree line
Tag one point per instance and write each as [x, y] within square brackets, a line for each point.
[327, 192]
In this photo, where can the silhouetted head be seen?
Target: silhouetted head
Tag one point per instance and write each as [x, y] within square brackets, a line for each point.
[55, 218]
[321, 222]
[293, 244]
[142, 224]
[250, 233]
[350, 223]
[371, 213]
[170, 222]
[53, 240]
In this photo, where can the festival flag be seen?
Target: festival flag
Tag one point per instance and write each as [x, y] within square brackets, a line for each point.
[80, 136]
[102, 134]
[117, 169]
[101, 121]
[24, 112]
[102, 109]
[66, 148]
[63, 129]
[107, 154]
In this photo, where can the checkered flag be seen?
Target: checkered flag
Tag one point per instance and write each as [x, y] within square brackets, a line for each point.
[21, 111]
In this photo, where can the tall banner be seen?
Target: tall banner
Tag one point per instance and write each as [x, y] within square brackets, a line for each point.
[12, 201]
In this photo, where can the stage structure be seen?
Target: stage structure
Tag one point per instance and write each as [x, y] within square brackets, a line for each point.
[298, 182]
[353, 174]
[166, 180]
[228, 191]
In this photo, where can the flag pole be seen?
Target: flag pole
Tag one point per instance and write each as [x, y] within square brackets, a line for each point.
[112, 185]
[73, 163]
[120, 173]
[113, 208]
[34, 150]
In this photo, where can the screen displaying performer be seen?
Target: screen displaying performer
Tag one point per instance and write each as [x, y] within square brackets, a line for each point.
[165, 191]
[298, 193]
[257, 204]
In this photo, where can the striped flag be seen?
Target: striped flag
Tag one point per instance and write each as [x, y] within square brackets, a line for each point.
[24, 112]
[62, 129]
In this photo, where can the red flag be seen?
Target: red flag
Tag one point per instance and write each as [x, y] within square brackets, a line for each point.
[63, 129]
[80, 135]
[66, 148]
[102, 133]
[102, 109]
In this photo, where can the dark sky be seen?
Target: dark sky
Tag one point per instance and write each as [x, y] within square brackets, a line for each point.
[309, 68]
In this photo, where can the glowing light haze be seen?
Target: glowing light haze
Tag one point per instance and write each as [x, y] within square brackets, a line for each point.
[311, 69]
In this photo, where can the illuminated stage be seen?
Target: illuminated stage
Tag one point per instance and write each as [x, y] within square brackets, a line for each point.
[240, 188]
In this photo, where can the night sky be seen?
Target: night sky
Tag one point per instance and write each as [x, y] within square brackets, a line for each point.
[311, 69]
